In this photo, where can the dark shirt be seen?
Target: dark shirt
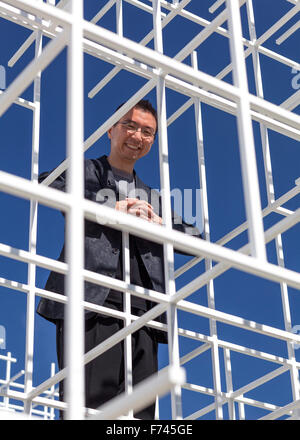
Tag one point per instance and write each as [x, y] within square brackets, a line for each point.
[138, 272]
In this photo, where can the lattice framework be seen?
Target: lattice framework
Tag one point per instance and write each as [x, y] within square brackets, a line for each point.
[64, 26]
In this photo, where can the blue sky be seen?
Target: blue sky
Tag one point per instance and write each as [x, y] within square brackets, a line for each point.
[235, 292]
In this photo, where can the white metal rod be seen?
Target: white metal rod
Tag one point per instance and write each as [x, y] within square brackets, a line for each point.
[173, 342]
[246, 139]
[229, 386]
[128, 367]
[30, 40]
[103, 11]
[42, 10]
[74, 319]
[143, 6]
[30, 314]
[216, 6]
[7, 377]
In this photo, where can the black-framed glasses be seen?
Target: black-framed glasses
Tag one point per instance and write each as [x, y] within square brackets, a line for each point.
[131, 127]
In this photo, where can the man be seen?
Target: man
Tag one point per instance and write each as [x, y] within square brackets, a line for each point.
[131, 138]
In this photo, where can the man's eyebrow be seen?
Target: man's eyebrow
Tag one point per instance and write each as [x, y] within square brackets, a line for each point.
[135, 123]
[128, 120]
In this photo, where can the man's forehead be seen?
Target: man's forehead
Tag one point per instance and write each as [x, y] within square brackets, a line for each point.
[137, 113]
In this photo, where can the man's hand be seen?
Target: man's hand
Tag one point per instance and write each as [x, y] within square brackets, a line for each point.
[139, 208]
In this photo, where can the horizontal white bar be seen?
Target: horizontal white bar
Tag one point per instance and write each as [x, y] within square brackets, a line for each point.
[41, 9]
[159, 234]
[22, 102]
[7, 358]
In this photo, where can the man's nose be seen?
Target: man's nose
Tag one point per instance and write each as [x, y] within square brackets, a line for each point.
[137, 134]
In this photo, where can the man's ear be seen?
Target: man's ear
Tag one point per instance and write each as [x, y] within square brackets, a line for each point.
[109, 133]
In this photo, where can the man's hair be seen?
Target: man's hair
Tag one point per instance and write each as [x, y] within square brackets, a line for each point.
[145, 105]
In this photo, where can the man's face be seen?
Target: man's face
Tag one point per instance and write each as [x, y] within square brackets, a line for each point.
[127, 146]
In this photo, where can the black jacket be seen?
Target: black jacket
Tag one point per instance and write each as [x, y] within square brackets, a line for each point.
[102, 244]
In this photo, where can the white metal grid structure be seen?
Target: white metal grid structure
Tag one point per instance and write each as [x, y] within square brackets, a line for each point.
[61, 22]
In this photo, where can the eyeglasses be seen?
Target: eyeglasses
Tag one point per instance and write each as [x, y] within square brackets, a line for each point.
[132, 128]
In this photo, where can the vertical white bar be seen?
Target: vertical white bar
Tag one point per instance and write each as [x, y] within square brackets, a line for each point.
[52, 389]
[7, 378]
[242, 415]
[246, 139]
[74, 340]
[173, 342]
[33, 229]
[127, 310]
[119, 17]
[229, 386]
[126, 262]
[208, 262]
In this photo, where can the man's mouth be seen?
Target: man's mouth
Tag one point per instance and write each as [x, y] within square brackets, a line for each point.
[132, 147]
